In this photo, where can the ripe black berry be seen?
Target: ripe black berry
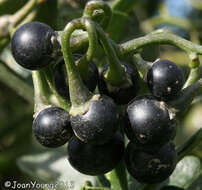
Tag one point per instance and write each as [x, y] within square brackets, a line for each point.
[99, 124]
[95, 160]
[165, 79]
[120, 95]
[60, 78]
[149, 123]
[31, 45]
[52, 127]
[150, 167]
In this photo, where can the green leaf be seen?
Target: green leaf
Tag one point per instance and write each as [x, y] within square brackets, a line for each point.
[53, 167]
[186, 172]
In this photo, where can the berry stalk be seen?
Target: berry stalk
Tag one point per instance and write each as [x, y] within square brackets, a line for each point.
[96, 7]
[79, 94]
[116, 74]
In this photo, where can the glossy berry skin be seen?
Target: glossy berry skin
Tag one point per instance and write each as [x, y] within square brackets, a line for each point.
[149, 124]
[52, 127]
[95, 160]
[31, 45]
[60, 78]
[121, 96]
[150, 167]
[99, 124]
[165, 79]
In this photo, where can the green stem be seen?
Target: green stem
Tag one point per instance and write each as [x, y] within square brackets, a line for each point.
[116, 74]
[193, 77]
[41, 90]
[79, 94]
[194, 74]
[142, 65]
[48, 75]
[160, 37]
[92, 7]
[117, 177]
[15, 82]
[132, 46]
[186, 96]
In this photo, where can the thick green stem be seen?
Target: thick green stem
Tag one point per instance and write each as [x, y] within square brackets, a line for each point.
[79, 94]
[48, 75]
[41, 90]
[92, 7]
[117, 177]
[186, 96]
[194, 74]
[116, 74]
[133, 46]
[14, 81]
[160, 37]
[142, 65]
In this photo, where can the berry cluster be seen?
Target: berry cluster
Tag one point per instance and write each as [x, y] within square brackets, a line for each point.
[150, 126]
[95, 144]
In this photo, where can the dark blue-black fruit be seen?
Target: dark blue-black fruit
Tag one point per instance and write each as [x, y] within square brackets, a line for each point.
[99, 124]
[149, 123]
[95, 160]
[60, 77]
[31, 45]
[52, 127]
[120, 95]
[165, 79]
[150, 167]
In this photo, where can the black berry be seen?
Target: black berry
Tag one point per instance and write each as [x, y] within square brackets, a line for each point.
[60, 78]
[150, 167]
[165, 79]
[95, 160]
[149, 123]
[120, 95]
[52, 127]
[99, 124]
[31, 45]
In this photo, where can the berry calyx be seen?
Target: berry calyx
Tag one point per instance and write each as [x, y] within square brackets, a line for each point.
[121, 95]
[52, 127]
[31, 45]
[94, 118]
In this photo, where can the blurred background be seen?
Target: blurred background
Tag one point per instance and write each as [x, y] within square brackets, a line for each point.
[21, 158]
